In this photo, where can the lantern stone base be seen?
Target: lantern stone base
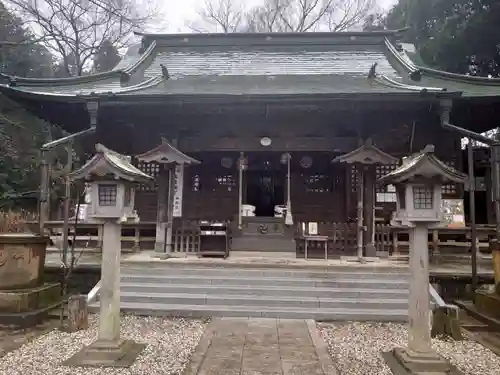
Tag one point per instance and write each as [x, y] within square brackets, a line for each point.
[28, 307]
[121, 353]
[402, 361]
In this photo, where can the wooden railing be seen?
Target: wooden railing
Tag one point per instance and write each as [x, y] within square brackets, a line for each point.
[134, 237]
[388, 240]
[342, 238]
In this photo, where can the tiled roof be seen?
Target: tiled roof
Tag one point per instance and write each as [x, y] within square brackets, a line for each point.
[242, 64]
[269, 85]
[272, 60]
[406, 58]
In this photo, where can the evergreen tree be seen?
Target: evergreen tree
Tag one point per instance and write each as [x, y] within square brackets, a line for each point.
[458, 36]
[106, 58]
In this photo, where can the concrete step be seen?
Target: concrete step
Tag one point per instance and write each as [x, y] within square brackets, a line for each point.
[339, 314]
[250, 290]
[320, 274]
[262, 301]
[358, 283]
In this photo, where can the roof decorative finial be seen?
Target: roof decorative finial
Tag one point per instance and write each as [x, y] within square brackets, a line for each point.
[124, 77]
[373, 71]
[416, 75]
[12, 82]
[164, 72]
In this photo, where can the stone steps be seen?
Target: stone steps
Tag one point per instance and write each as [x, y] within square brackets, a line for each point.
[253, 300]
[263, 281]
[359, 314]
[271, 291]
[274, 272]
[322, 293]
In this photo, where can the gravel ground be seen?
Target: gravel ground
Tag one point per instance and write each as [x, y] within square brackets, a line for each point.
[355, 348]
[170, 345]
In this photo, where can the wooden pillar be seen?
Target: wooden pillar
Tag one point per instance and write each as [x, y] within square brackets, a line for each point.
[170, 207]
[348, 191]
[368, 210]
[359, 193]
[490, 212]
[161, 208]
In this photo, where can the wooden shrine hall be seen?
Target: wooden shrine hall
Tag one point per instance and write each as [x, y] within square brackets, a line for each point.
[273, 135]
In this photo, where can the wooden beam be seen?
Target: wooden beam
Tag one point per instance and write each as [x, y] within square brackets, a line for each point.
[247, 144]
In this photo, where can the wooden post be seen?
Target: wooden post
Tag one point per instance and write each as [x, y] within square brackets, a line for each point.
[241, 162]
[368, 209]
[472, 213]
[77, 313]
[359, 193]
[435, 243]
[44, 194]
[137, 239]
[162, 198]
[170, 208]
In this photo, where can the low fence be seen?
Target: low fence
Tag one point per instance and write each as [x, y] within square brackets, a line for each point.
[388, 240]
[134, 237]
[341, 238]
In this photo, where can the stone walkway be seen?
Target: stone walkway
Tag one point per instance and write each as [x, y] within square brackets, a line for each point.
[254, 346]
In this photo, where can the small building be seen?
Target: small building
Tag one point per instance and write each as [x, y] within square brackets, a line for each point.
[226, 98]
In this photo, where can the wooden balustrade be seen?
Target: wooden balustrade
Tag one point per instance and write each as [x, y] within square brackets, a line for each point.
[388, 240]
[134, 237]
[342, 238]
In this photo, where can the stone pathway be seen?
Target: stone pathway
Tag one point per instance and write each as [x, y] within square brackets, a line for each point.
[253, 346]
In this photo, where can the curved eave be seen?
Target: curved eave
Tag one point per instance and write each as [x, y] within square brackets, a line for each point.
[72, 97]
[438, 91]
[369, 149]
[134, 66]
[95, 77]
[161, 153]
[404, 173]
[411, 67]
[117, 164]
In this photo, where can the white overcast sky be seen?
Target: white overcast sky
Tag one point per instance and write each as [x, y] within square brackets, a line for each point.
[178, 12]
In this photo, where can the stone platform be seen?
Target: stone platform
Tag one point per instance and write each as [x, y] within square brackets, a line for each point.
[28, 307]
[488, 303]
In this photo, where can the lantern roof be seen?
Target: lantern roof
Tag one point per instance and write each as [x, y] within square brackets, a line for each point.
[107, 162]
[424, 164]
[366, 154]
[166, 153]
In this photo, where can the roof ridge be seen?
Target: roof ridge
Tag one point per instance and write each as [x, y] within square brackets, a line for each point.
[272, 34]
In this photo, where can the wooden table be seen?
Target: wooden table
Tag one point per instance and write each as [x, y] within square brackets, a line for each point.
[310, 238]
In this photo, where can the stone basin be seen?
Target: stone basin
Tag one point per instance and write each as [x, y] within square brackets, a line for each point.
[22, 259]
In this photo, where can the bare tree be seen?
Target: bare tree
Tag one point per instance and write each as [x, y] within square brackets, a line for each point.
[285, 15]
[74, 30]
[219, 15]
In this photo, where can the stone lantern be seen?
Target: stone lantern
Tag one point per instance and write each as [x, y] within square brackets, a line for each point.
[112, 178]
[365, 159]
[418, 184]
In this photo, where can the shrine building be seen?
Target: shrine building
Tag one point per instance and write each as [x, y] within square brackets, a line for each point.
[268, 132]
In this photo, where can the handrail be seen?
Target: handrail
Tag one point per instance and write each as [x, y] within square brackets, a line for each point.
[91, 297]
[441, 303]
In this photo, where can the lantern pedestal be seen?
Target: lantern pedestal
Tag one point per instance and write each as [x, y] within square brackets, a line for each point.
[109, 350]
[421, 363]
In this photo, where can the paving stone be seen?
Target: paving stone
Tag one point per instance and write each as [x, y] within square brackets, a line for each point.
[259, 346]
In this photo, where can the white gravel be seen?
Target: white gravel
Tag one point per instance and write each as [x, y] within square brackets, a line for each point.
[170, 345]
[355, 348]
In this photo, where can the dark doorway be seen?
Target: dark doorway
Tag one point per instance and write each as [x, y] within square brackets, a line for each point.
[265, 189]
